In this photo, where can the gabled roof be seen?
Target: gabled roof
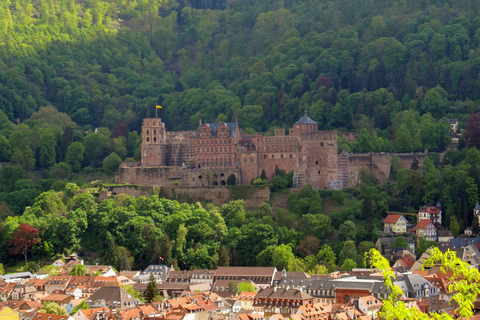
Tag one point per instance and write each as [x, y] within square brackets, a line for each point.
[429, 209]
[423, 224]
[231, 126]
[305, 119]
[393, 218]
[281, 293]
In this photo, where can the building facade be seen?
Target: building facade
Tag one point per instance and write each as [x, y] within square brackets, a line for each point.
[207, 156]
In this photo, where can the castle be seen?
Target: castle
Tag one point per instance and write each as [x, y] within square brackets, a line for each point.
[208, 156]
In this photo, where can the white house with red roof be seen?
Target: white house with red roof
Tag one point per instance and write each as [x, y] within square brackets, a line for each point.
[370, 305]
[395, 223]
[433, 213]
[426, 229]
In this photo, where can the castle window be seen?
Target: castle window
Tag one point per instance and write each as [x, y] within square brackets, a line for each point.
[238, 148]
[241, 148]
[318, 172]
[265, 157]
[148, 131]
[245, 160]
[316, 162]
[291, 156]
[251, 159]
[321, 144]
[154, 139]
[154, 131]
[148, 139]
[216, 149]
[281, 156]
[273, 157]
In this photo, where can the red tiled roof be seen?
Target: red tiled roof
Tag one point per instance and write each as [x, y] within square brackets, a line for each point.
[429, 209]
[423, 224]
[392, 218]
[48, 316]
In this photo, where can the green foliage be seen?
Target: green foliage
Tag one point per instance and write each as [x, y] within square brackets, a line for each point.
[82, 306]
[151, 290]
[245, 287]
[111, 163]
[53, 308]
[464, 281]
[400, 242]
[78, 270]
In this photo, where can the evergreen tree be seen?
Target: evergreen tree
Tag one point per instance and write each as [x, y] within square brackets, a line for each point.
[166, 250]
[112, 256]
[223, 257]
[155, 251]
[367, 212]
[152, 289]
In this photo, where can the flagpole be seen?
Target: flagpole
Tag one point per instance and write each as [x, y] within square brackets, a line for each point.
[156, 109]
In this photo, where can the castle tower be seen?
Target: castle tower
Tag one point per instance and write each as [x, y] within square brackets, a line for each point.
[153, 143]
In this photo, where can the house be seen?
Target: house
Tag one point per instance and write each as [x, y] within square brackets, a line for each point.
[72, 304]
[262, 276]
[279, 276]
[426, 229]
[405, 263]
[453, 125]
[59, 263]
[370, 305]
[57, 283]
[283, 301]
[444, 237]
[7, 313]
[16, 277]
[115, 297]
[105, 271]
[416, 286]
[161, 271]
[316, 311]
[395, 223]
[91, 314]
[245, 299]
[433, 213]
[385, 246]
[60, 299]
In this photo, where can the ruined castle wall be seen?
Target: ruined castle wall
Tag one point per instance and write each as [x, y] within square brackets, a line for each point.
[319, 155]
[278, 150]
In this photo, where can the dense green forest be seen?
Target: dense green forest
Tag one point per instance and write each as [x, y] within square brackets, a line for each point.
[78, 77]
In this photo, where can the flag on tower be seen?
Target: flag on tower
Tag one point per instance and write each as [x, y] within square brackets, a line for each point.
[158, 106]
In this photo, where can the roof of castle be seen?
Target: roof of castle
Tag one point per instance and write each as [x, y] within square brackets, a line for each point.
[477, 206]
[305, 119]
[231, 126]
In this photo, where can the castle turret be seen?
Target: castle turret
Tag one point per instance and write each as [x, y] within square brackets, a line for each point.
[153, 143]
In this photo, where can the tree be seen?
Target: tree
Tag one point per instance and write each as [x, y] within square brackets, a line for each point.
[23, 239]
[245, 287]
[464, 283]
[78, 270]
[348, 251]
[232, 286]
[472, 133]
[47, 144]
[53, 308]
[281, 256]
[82, 306]
[111, 163]
[113, 254]
[400, 242]
[152, 289]
[2, 270]
[223, 257]
[74, 155]
[348, 265]
[454, 226]
[347, 231]
[327, 257]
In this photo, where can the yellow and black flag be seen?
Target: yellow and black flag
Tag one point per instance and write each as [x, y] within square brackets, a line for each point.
[158, 106]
